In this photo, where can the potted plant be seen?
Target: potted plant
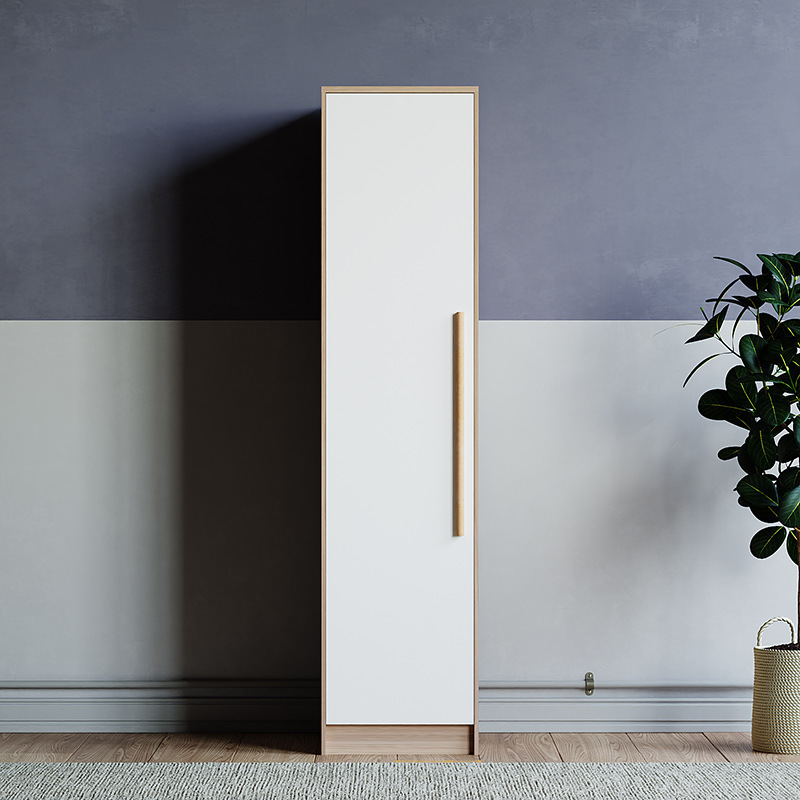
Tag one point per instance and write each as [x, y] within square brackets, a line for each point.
[762, 398]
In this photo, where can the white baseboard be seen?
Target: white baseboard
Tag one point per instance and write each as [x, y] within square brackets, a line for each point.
[550, 707]
[295, 706]
[160, 706]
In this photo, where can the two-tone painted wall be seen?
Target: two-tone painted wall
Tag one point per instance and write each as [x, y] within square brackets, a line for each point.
[159, 392]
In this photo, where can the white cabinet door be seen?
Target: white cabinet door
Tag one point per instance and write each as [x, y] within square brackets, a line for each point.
[399, 261]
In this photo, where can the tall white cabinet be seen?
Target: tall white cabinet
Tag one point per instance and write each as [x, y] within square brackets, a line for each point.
[399, 321]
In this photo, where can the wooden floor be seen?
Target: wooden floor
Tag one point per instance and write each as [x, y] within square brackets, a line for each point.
[250, 747]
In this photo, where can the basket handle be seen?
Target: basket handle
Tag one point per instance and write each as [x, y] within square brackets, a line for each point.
[769, 622]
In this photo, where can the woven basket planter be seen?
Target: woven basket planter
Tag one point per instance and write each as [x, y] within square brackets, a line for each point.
[776, 696]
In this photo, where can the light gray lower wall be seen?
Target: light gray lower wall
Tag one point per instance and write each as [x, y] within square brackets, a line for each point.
[610, 537]
[159, 511]
[90, 500]
[159, 501]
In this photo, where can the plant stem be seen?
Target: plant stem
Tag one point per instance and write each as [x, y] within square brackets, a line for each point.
[725, 344]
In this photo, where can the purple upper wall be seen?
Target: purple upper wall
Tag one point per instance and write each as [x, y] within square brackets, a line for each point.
[159, 159]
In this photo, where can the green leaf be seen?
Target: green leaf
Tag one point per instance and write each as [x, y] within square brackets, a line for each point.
[736, 300]
[793, 325]
[717, 404]
[788, 449]
[780, 355]
[772, 406]
[790, 262]
[711, 328]
[750, 348]
[765, 514]
[785, 336]
[796, 429]
[772, 294]
[727, 453]
[791, 545]
[735, 263]
[789, 508]
[782, 383]
[746, 463]
[767, 541]
[788, 480]
[755, 283]
[782, 274]
[793, 299]
[697, 366]
[741, 386]
[781, 306]
[767, 325]
[761, 448]
[758, 491]
[762, 376]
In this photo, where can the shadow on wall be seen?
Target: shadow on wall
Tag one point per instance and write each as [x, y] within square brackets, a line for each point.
[249, 260]
[249, 230]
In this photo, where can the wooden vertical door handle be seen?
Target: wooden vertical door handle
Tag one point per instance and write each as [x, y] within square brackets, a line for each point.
[458, 423]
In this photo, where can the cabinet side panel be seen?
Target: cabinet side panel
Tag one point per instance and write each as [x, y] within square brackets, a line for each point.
[399, 220]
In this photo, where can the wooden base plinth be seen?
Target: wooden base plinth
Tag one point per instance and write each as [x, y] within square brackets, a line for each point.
[388, 739]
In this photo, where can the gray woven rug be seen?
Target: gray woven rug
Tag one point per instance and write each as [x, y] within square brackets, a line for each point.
[401, 781]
